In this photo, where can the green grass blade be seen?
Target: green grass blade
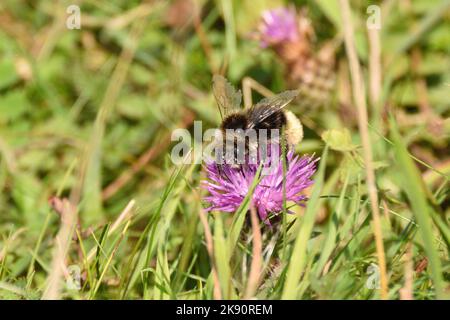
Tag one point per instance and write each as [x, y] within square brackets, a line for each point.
[298, 259]
[241, 212]
[222, 257]
[414, 188]
[332, 232]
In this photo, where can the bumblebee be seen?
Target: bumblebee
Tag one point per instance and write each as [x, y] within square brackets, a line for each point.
[268, 114]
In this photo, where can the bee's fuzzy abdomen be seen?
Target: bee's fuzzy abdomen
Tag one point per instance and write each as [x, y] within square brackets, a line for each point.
[294, 129]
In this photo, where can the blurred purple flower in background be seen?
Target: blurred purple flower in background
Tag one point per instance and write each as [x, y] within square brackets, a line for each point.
[228, 186]
[279, 25]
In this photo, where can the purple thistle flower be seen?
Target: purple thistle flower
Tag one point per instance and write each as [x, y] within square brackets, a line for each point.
[279, 25]
[228, 186]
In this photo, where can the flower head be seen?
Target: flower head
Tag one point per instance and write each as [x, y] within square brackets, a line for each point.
[279, 25]
[228, 186]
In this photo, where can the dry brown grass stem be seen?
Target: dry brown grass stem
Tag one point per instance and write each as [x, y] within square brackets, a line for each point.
[256, 266]
[375, 67]
[359, 97]
[406, 293]
[61, 247]
[210, 248]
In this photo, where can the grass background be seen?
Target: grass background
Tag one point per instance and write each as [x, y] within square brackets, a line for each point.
[86, 117]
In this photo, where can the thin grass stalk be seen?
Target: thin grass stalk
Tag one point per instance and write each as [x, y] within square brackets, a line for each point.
[359, 97]
[256, 265]
[210, 248]
[62, 244]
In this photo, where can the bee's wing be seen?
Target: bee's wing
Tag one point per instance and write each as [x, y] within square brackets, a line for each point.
[227, 98]
[268, 106]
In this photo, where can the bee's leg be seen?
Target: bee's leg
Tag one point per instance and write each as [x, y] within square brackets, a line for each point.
[247, 85]
[221, 172]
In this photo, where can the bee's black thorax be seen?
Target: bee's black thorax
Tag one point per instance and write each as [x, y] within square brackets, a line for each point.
[235, 121]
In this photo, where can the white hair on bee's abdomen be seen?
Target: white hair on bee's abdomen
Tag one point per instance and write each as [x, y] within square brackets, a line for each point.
[294, 129]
